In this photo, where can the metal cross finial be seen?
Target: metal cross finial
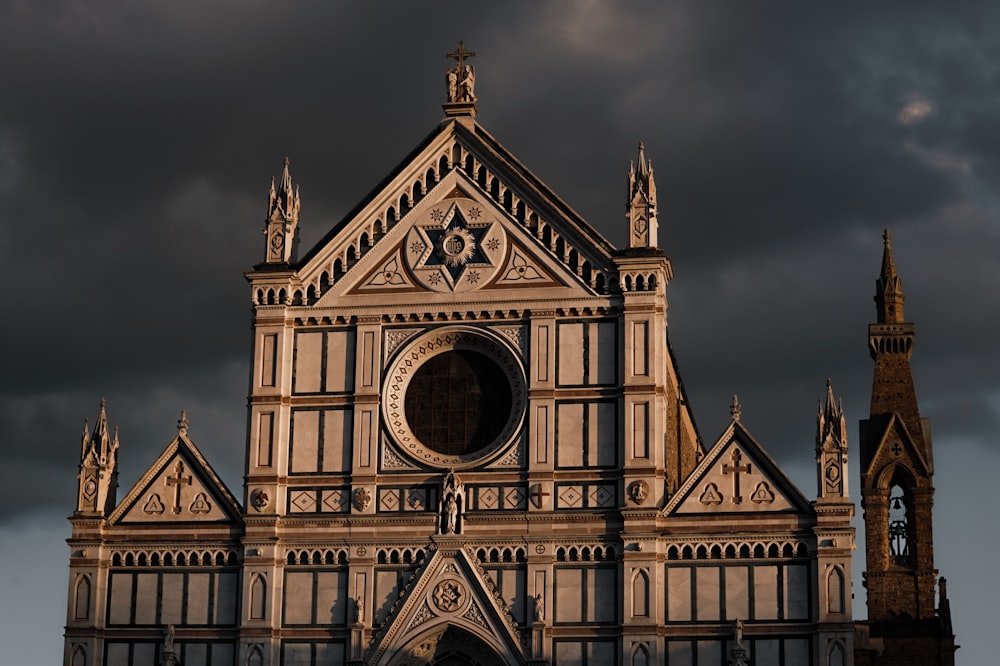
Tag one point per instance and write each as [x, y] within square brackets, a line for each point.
[460, 54]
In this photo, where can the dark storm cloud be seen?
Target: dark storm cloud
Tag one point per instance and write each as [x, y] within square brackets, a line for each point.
[137, 141]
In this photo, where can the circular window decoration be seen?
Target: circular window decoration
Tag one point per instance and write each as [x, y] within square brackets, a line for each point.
[454, 398]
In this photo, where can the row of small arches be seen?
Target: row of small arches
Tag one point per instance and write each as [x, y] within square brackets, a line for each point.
[399, 555]
[468, 315]
[500, 555]
[734, 551]
[218, 558]
[892, 344]
[317, 556]
[638, 282]
[585, 553]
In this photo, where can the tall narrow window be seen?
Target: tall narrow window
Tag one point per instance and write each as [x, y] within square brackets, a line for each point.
[258, 595]
[899, 528]
[835, 591]
[82, 611]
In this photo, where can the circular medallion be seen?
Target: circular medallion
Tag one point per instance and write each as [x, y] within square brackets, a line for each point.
[456, 245]
[454, 398]
[449, 595]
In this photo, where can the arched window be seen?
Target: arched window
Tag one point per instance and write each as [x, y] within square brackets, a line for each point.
[835, 591]
[258, 596]
[82, 605]
[900, 551]
[836, 657]
[640, 594]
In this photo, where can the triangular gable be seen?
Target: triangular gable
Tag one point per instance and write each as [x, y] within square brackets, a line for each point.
[894, 444]
[549, 229]
[736, 476]
[179, 487]
[449, 589]
[456, 240]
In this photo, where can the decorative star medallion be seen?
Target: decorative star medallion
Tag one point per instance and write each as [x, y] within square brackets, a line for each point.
[456, 247]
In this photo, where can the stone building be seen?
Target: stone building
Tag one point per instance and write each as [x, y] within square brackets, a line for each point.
[468, 442]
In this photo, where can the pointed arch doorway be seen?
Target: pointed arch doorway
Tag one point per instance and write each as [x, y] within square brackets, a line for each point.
[447, 645]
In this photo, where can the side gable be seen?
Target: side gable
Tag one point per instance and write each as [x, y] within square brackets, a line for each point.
[736, 476]
[180, 486]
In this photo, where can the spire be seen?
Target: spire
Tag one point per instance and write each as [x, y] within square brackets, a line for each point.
[282, 225]
[98, 466]
[460, 84]
[735, 410]
[641, 207]
[888, 287]
[831, 448]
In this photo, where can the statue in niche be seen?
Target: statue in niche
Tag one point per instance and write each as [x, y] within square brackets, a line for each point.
[450, 514]
[167, 656]
[451, 503]
[539, 608]
[359, 610]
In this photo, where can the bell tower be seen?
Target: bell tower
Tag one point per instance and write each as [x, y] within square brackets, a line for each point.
[897, 492]
[98, 468]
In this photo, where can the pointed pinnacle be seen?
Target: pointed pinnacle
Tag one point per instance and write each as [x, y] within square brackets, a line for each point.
[888, 265]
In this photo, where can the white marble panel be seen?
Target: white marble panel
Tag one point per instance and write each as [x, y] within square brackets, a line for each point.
[268, 347]
[602, 435]
[737, 595]
[222, 653]
[710, 652]
[570, 361]
[603, 595]
[330, 653]
[118, 653]
[640, 348]
[331, 598]
[172, 598]
[143, 653]
[298, 597]
[296, 654]
[796, 651]
[226, 585]
[305, 441]
[679, 594]
[197, 599]
[308, 361]
[195, 654]
[569, 589]
[337, 438]
[569, 438]
[765, 583]
[120, 598]
[603, 346]
[707, 587]
[385, 593]
[340, 354]
[796, 592]
[767, 654]
[145, 598]
[679, 653]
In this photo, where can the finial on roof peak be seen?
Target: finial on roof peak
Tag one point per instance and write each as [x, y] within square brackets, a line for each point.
[735, 411]
[182, 424]
[461, 84]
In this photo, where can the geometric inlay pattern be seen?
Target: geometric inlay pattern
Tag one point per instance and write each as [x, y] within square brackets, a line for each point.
[454, 248]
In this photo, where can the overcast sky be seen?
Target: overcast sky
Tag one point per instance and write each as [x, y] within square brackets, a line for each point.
[137, 142]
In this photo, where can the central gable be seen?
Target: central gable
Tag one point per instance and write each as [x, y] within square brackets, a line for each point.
[460, 214]
[457, 241]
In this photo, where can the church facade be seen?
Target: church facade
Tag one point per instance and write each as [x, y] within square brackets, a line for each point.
[468, 442]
